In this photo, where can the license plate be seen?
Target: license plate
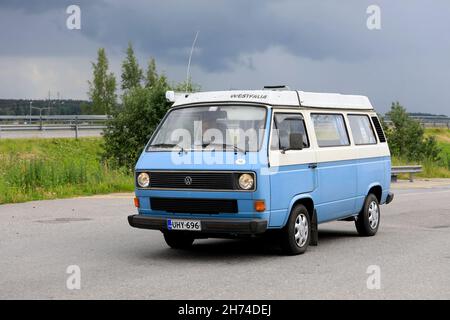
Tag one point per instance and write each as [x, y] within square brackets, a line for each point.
[188, 225]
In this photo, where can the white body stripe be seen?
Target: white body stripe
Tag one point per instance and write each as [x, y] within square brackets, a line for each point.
[316, 154]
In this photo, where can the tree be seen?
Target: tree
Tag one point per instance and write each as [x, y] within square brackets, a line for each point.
[102, 89]
[151, 75]
[131, 72]
[186, 87]
[406, 137]
[130, 127]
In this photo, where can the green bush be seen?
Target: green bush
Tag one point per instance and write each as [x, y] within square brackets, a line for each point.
[132, 125]
[406, 137]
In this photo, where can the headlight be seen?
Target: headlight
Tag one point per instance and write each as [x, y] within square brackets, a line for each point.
[143, 180]
[246, 181]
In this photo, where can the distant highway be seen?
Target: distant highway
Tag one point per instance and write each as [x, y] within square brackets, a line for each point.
[49, 134]
[52, 126]
[40, 240]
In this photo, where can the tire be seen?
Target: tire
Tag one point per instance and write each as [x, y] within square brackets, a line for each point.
[177, 240]
[368, 220]
[296, 235]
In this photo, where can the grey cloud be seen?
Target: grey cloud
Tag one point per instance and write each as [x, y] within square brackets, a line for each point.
[329, 46]
[165, 29]
[40, 6]
[330, 30]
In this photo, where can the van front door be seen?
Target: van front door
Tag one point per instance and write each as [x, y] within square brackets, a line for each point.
[292, 163]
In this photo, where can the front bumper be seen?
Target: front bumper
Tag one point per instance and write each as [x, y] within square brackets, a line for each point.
[211, 226]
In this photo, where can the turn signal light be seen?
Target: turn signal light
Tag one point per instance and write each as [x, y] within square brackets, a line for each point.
[260, 205]
[136, 202]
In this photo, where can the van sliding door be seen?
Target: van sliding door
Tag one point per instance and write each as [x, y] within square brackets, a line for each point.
[337, 168]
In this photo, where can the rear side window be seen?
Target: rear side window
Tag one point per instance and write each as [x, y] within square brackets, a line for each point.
[361, 129]
[379, 129]
[284, 125]
[330, 130]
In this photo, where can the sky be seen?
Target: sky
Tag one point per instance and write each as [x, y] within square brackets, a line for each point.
[320, 46]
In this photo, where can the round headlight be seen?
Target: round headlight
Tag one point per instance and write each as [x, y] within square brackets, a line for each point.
[143, 180]
[246, 181]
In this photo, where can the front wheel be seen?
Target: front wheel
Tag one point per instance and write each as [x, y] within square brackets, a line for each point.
[369, 218]
[177, 240]
[296, 235]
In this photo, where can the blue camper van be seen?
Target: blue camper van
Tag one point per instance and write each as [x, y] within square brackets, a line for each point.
[247, 163]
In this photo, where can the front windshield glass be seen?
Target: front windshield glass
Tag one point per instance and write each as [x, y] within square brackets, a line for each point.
[236, 128]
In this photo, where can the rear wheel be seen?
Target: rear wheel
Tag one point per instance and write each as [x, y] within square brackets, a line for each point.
[177, 240]
[296, 235]
[369, 218]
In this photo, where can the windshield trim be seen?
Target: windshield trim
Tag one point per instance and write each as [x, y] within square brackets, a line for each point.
[206, 104]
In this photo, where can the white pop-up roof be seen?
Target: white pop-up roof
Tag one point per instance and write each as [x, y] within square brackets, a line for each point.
[275, 98]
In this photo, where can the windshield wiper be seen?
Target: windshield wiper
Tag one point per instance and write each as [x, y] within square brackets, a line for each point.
[167, 145]
[224, 145]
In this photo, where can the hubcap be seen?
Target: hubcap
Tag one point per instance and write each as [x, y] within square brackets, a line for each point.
[374, 214]
[301, 230]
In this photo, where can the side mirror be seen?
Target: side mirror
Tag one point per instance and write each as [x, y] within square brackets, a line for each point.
[296, 141]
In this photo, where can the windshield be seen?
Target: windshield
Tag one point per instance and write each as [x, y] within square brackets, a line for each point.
[238, 128]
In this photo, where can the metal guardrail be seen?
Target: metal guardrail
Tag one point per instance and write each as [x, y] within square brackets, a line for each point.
[428, 121]
[56, 117]
[53, 122]
[395, 171]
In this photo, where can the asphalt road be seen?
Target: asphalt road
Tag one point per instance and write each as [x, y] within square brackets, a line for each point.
[39, 240]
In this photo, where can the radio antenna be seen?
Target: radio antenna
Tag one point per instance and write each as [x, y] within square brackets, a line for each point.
[189, 62]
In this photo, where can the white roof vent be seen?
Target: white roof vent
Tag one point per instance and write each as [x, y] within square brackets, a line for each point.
[173, 96]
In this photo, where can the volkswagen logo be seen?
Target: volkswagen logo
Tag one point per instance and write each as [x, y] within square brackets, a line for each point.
[188, 181]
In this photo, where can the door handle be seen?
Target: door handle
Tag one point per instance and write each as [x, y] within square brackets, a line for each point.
[312, 165]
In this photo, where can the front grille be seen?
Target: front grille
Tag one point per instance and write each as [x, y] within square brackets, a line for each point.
[182, 205]
[194, 180]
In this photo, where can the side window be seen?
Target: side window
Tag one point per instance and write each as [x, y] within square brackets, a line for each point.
[288, 125]
[330, 130]
[379, 129]
[361, 129]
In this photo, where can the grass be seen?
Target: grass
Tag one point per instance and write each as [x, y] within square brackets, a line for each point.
[441, 134]
[36, 169]
[430, 169]
[439, 169]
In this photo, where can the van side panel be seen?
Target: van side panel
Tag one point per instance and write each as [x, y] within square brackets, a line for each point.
[337, 189]
[372, 172]
[346, 173]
